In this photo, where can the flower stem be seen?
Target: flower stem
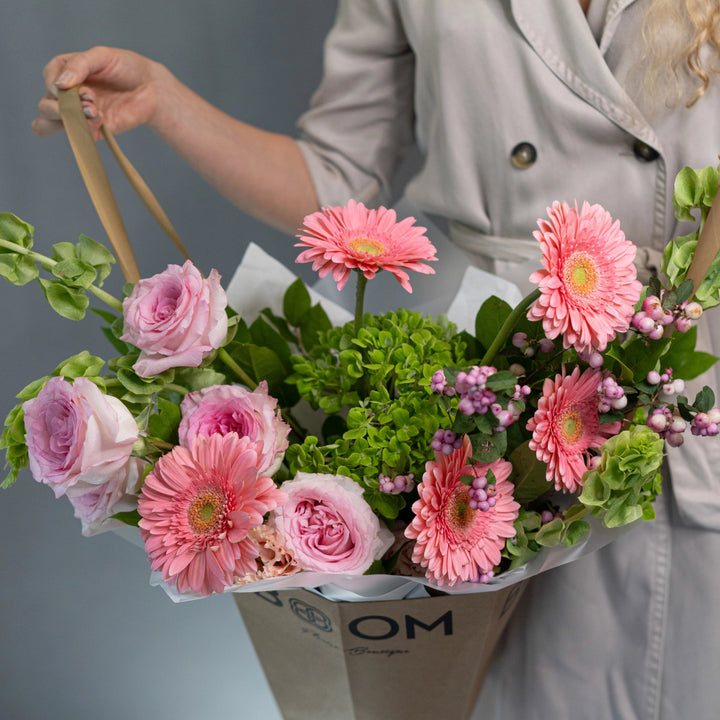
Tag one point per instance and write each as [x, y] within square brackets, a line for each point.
[224, 355]
[48, 264]
[508, 326]
[359, 300]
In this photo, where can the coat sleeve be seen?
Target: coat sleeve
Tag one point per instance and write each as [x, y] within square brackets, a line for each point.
[361, 117]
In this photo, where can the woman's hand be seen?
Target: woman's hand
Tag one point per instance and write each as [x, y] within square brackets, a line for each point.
[118, 88]
[263, 173]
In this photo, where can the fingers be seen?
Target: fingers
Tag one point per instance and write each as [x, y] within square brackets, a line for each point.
[71, 69]
[49, 122]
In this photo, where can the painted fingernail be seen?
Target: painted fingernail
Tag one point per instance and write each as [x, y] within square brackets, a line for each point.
[90, 112]
[88, 97]
[65, 78]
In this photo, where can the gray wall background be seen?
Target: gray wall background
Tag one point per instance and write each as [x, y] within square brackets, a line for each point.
[83, 633]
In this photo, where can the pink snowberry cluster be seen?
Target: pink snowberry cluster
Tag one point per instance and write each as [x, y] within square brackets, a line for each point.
[528, 347]
[396, 485]
[476, 397]
[652, 319]
[668, 423]
[446, 442]
[611, 395]
[481, 494]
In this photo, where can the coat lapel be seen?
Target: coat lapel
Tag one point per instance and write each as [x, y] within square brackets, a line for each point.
[559, 34]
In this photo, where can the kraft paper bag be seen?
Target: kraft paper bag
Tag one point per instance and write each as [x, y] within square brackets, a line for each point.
[389, 660]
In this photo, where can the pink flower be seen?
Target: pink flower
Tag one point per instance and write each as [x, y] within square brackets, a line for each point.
[274, 559]
[230, 408]
[454, 542]
[589, 283]
[566, 425]
[328, 525]
[343, 238]
[94, 504]
[197, 507]
[176, 318]
[75, 433]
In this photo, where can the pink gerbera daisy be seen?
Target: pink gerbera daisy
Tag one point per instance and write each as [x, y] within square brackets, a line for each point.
[340, 239]
[589, 283]
[197, 507]
[454, 542]
[566, 425]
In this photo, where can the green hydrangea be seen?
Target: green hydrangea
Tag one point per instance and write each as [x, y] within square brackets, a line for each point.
[624, 486]
[382, 375]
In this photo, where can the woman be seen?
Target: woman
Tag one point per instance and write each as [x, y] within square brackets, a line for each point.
[513, 104]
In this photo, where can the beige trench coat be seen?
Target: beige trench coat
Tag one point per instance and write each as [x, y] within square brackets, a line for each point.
[514, 104]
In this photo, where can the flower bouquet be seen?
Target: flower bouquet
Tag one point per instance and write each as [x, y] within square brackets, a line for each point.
[386, 458]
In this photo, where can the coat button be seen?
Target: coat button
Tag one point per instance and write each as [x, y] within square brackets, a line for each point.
[644, 152]
[523, 155]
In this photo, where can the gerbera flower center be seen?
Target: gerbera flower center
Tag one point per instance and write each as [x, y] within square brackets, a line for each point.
[459, 514]
[205, 513]
[369, 246]
[571, 425]
[581, 274]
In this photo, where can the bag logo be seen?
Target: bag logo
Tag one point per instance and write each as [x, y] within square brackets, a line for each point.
[380, 627]
[311, 615]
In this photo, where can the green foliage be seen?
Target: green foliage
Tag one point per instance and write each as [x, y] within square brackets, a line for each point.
[528, 474]
[489, 319]
[624, 486]
[694, 191]
[74, 269]
[381, 378]
[681, 356]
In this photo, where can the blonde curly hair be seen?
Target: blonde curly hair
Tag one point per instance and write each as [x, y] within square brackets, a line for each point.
[682, 49]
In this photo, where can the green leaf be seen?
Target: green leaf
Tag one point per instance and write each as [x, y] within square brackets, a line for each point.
[704, 400]
[199, 378]
[75, 273]
[131, 517]
[314, 321]
[528, 474]
[687, 192]
[638, 357]
[262, 363]
[81, 365]
[63, 251]
[573, 531]
[684, 292]
[281, 325]
[17, 269]
[489, 320]
[501, 381]
[265, 336]
[296, 302]
[686, 363]
[66, 302]
[164, 423]
[15, 230]
[488, 448]
[137, 385]
[383, 504]
[550, 534]
[93, 252]
[30, 391]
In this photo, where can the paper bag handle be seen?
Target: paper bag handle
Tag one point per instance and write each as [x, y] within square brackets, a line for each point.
[708, 245]
[93, 172]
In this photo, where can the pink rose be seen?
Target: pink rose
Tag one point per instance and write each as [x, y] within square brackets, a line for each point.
[74, 433]
[176, 318]
[328, 525]
[229, 408]
[94, 504]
